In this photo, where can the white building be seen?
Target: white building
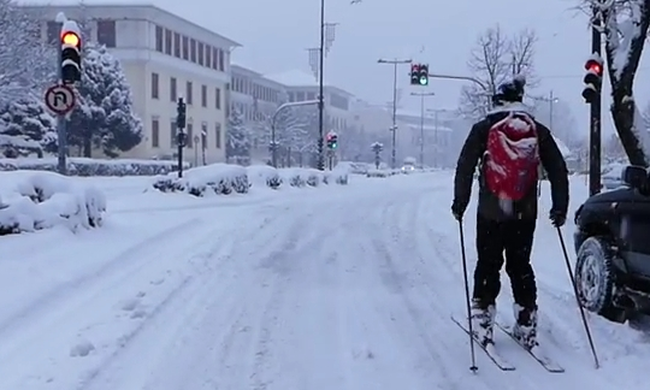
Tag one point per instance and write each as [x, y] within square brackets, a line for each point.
[164, 57]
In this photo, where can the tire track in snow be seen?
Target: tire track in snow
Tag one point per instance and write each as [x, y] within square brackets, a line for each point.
[100, 296]
[124, 263]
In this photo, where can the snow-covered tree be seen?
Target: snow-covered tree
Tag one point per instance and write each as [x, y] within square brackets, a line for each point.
[238, 141]
[104, 116]
[495, 58]
[625, 27]
[26, 128]
[26, 63]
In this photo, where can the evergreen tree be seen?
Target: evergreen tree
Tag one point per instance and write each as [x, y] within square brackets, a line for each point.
[104, 116]
[238, 141]
[26, 128]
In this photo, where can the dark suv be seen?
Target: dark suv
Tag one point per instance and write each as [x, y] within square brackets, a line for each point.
[612, 241]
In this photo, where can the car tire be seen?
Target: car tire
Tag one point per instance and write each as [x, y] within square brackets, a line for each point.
[595, 278]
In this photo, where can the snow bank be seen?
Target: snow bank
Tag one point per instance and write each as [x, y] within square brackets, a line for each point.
[223, 179]
[214, 179]
[93, 167]
[44, 200]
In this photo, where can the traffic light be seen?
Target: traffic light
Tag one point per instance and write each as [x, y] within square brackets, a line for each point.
[593, 79]
[415, 74]
[424, 75]
[70, 52]
[332, 140]
[181, 114]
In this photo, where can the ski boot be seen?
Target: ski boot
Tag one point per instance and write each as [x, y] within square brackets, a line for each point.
[482, 317]
[525, 329]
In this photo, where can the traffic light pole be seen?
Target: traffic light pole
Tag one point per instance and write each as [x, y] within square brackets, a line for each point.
[422, 95]
[61, 125]
[393, 128]
[595, 115]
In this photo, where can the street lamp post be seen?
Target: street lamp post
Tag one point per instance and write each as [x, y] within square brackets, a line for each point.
[393, 128]
[422, 95]
[551, 100]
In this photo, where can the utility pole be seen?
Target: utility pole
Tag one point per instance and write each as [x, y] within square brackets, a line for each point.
[551, 100]
[422, 95]
[395, 62]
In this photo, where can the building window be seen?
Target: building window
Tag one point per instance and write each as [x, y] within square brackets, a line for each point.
[192, 50]
[208, 56]
[201, 52]
[106, 33]
[173, 91]
[177, 45]
[188, 92]
[186, 48]
[190, 136]
[168, 42]
[172, 134]
[215, 57]
[159, 39]
[204, 96]
[217, 98]
[155, 91]
[217, 135]
[222, 65]
[155, 133]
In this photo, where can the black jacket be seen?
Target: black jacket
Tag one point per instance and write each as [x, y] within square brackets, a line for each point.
[488, 204]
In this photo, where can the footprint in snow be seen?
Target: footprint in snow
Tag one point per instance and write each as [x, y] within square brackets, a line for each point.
[82, 349]
[140, 313]
[158, 281]
[130, 304]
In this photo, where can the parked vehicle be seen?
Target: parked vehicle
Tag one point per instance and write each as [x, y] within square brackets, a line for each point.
[612, 270]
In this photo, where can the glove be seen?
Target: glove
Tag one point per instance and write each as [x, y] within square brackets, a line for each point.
[458, 210]
[558, 218]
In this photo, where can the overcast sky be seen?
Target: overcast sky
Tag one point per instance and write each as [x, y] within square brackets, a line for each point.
[275, 34]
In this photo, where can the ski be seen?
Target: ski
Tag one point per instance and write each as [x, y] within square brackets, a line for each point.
[536, 352]
[489, 350]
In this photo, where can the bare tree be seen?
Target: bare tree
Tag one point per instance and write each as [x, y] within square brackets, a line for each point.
[496, 57]
[625, 27]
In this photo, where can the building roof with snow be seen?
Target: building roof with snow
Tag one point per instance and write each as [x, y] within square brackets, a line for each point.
[299, 79]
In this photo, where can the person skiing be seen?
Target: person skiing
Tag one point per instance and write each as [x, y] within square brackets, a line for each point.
[510, 145]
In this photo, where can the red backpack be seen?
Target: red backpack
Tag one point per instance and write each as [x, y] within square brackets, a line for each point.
[511, 159]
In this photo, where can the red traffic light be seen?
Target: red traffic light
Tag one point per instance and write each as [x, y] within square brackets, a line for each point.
[70, 38]
[594, 67]
[415, 68]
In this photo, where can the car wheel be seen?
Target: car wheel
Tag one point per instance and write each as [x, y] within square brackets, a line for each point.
[596, 279]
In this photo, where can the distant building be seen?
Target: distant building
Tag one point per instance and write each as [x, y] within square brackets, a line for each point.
[301, 86]
[431, 129]
[164, 57]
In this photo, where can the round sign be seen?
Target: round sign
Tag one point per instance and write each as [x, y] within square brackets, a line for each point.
[60, 99]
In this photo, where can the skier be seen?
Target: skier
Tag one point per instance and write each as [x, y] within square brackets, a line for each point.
[510, 145]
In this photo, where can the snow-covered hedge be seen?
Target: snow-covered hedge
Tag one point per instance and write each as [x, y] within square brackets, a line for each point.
[93, 167]
[378, 173]
[45, 199]
[214, 179]
[223, 179]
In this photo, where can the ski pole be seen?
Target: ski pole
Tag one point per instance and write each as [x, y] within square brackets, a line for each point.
[577, 295]
[473, 367]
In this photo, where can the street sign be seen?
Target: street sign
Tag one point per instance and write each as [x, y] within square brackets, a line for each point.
[60, 99]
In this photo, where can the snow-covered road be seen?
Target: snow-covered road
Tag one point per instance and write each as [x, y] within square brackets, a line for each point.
[348, 288]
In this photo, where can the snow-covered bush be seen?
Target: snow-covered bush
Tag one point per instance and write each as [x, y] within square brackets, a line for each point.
[93, 167]
[314, 177]
[296, 177]
[264, 175]
[219, 179]
[378, 173]
[44, 200]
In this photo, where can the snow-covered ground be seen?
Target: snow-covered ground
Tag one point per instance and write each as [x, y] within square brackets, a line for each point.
[340, 287]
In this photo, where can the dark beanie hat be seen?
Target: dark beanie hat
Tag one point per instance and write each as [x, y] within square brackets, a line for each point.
[510, 91]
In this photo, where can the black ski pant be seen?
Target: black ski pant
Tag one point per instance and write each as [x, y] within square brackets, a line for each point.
[515, 238]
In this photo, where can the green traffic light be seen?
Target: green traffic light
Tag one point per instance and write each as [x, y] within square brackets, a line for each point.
[424, 80]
